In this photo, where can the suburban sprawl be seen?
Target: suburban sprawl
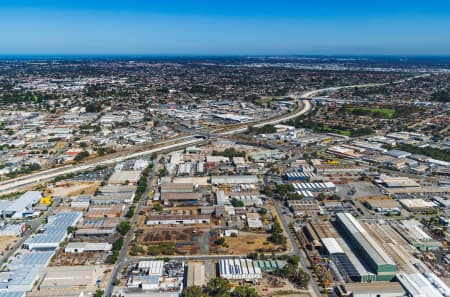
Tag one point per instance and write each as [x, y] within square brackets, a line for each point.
[224, 177]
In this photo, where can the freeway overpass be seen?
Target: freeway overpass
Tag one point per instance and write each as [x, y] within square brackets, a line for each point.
[306, 107]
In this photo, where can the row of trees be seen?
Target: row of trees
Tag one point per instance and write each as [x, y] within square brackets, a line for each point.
[229, 152]
[266, 129]
[432, 152]
[283, 191]
[320, 127]
[140, 190]
[219, 287]
[116, 247]
[14, 96]
[277, 236]
[24, 169]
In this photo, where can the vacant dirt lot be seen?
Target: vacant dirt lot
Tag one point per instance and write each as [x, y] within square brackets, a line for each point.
[6, 242]
[74, 189]
[189, 240]
[276, 287]
[247, 242]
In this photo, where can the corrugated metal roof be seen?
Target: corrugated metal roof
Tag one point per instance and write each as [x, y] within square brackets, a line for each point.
[27, 199]
[332, 245]
[32, 259]
[12, 294]
[56, 230]
[372, 248]
[234, 179]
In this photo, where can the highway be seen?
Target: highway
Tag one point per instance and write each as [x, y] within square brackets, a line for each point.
[14, 185]
[306, 107]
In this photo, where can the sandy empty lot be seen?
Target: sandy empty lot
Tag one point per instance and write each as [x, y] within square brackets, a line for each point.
[248, 242]
[74, 189]
[275, 286]
[6, 241]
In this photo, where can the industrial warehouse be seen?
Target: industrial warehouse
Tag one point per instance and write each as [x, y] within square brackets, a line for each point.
[315, 187]
[240, 269]
[157, 276]
[25, 269]
[54, 232]
[355, 254]
[371, 252]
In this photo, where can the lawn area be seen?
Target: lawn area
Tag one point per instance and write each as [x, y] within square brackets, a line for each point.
[377, 112]
[263, 101]
[336, 131]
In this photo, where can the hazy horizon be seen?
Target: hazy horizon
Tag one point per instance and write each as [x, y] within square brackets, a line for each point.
[224, 28]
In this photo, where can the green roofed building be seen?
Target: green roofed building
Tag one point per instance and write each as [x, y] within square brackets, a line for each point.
[371, 253]
[270, 265]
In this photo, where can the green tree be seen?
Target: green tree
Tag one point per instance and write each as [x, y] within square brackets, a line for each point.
[194, 291]
[268, 191]
[294, 274]
[237, 203]
[123, 227]
[163, 172]
[244, 291]
[81, 156]
[117, 245]
[303, 278]
[294, 260]
[218, 287]
[220, 241]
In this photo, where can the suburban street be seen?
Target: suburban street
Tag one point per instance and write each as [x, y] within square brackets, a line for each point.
[123, 256]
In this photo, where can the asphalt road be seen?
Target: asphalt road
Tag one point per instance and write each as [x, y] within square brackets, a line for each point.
[123, 255]
[296, 249]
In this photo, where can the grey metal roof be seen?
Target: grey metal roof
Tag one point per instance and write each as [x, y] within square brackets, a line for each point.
[56, 230]
[12, 294]
[234, 179]
[397, 153]
[33, 259]
[23, 277]
[359, 234]
[24, 201]
[5, 204]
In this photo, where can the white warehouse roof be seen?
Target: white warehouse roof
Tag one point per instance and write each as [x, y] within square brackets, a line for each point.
[153, 267]
[55, 231]
[234, 179]
[332, 246]
[24, 201]
[239, 269]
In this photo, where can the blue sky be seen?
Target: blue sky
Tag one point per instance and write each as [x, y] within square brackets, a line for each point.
[217, 27]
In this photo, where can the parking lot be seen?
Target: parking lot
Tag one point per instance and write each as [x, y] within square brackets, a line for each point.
[360, 190]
